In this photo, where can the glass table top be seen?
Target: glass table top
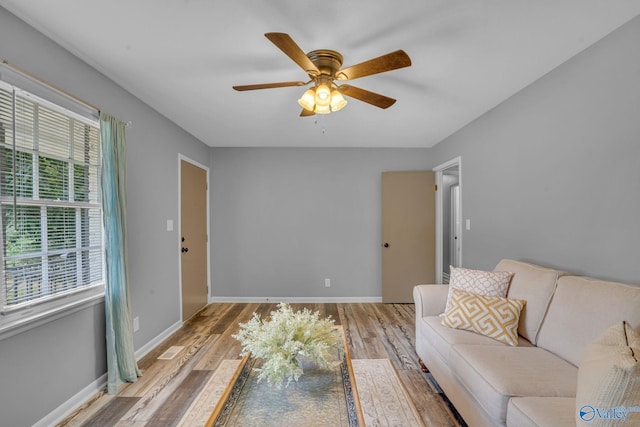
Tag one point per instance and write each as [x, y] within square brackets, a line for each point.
[320, 397]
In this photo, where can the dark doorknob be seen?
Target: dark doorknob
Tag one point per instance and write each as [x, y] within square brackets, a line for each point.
[386, 245]
[184, 250]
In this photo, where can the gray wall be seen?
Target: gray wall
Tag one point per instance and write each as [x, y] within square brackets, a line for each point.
[45, 366]
[284, 219]
[552, 175]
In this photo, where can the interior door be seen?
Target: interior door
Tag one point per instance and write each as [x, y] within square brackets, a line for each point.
[193, 226]
[408, 233]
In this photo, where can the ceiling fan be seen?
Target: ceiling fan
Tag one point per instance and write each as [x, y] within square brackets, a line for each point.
[324, 69]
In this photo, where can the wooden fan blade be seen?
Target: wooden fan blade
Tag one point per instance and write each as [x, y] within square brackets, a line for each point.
[268, 85]
[372, 98]
[381, 64]
[286, 44]
[306, 113]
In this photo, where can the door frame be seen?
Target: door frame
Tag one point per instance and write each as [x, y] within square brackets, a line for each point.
[439, 211]
[455, 226]
[181, 158]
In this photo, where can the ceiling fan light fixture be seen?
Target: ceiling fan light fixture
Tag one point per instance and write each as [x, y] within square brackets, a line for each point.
[323, 99]
[308, 100]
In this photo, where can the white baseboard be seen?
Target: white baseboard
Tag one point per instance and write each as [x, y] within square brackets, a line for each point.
[296, 299]
[145, 349]
[63, 411]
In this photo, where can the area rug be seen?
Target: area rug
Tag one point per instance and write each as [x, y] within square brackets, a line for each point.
[383, 398]
[204, 404]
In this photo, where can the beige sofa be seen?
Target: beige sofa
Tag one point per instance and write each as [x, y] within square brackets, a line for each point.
[534, 383]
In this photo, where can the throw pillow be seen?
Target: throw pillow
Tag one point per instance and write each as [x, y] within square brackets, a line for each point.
[608, 390]
[494, 317]
[487, 283]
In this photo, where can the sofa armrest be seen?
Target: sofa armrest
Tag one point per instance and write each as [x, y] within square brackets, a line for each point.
[430, 300]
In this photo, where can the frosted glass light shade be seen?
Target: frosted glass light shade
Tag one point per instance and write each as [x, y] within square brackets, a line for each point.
[323, 95]
[308, 100]
[322, 109]
[337, 100]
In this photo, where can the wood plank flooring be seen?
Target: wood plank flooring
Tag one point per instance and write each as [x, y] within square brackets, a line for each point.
[167, 387]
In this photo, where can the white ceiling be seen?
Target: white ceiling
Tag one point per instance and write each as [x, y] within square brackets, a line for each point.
[181, 57]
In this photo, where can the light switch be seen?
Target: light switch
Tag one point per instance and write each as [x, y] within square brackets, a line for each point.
[169, 225]
[468, 224]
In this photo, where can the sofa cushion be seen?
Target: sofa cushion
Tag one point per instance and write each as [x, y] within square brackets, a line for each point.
[532, 283]
[541, 412]
[493, 374]
[441, 338]
[493, 317]
[609, 376]
[581, 310]
[489, 283]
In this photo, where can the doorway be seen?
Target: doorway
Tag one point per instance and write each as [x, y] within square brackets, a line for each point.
[448, 218]
[194, 241]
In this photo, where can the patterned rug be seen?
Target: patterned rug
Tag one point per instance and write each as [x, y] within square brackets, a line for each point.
[382, 396]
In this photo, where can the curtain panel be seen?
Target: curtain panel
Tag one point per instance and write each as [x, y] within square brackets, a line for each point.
[121, 362]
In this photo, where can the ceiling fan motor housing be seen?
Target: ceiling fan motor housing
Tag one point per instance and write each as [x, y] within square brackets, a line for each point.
[327, 61]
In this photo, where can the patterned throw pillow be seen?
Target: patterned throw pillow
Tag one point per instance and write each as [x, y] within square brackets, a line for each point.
[494, 317]
[609, 379]
[487, 283]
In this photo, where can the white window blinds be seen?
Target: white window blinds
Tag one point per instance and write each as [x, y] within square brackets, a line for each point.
[49, 198]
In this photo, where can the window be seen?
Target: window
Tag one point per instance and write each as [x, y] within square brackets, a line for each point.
[51, 212]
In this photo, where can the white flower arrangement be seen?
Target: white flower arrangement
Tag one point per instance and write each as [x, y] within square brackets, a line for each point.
[283, 337]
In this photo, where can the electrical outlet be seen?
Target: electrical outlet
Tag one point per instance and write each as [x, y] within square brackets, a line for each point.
[136, 324]
[327, 283]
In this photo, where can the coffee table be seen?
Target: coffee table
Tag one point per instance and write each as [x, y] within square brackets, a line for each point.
[320, 397]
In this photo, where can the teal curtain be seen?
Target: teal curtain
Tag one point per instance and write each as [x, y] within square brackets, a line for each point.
[121, 361]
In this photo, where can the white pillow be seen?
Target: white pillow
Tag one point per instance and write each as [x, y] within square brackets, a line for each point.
[608, 390]
[484, 283]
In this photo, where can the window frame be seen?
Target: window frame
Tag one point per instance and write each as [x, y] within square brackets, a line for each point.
[32, 313]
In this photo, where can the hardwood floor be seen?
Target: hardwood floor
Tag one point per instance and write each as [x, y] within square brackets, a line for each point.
[167, 387]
